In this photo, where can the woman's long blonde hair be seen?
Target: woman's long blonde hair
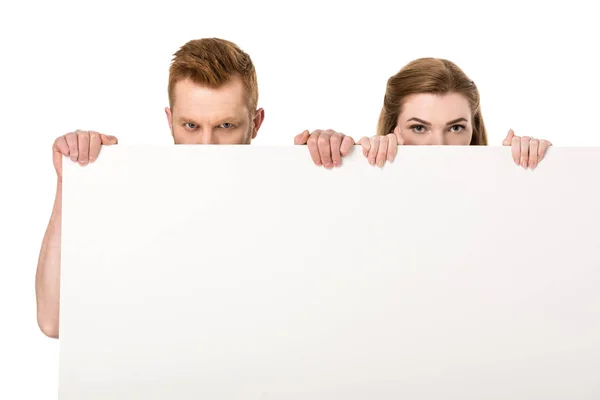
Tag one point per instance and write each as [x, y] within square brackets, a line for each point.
[430, 75]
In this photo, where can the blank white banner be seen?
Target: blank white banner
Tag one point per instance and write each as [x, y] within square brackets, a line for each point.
[243, 272]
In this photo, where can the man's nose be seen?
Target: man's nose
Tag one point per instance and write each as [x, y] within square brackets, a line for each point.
[207, 137]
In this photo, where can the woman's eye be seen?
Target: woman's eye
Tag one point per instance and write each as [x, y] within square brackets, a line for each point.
[190, 125]
[457, 128]
[226, 125]
[418, 128]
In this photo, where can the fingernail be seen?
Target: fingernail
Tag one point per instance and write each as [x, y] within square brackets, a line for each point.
[336, 164]
[372, 161]
[523, 164]
[531, 165]
[328, 166]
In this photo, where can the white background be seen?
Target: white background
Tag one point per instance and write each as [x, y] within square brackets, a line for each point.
[104, 66]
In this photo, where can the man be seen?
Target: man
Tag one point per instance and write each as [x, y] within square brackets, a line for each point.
[213, 97]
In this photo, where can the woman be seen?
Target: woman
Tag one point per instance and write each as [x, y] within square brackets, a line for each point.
[430, 101]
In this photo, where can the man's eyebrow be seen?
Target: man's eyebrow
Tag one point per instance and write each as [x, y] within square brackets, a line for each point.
[184, 118]
[456, 120]
[228, 119]
[419, 120]
[219, 121]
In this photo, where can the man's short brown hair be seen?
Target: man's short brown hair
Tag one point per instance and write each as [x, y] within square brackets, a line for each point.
[213, 62]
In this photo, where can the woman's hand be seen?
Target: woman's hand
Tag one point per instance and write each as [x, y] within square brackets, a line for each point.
[379, 149]
[526, 151]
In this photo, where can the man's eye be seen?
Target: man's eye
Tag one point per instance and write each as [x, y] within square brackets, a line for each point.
[190, 125]
[226, 125]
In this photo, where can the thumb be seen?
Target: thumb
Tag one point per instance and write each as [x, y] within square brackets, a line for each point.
[57, 161]
[508, 139]
[108, 140]
[366, 145]
[302, 138]
[398, 134]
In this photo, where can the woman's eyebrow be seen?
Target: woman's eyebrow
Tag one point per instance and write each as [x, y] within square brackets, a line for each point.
[419, 120]
[429, 123]
[457, 120]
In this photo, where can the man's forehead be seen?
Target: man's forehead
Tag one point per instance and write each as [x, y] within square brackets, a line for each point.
[198, 101]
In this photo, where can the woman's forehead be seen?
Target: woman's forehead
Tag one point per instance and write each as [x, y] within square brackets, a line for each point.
[435, 108]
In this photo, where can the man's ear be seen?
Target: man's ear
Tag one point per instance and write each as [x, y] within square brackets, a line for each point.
[259, 117]
[169, 119]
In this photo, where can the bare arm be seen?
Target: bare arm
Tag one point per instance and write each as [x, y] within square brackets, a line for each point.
[47, 278]
[82, 147]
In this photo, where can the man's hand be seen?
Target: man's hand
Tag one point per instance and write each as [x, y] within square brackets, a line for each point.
[326, 147]
[80, 146]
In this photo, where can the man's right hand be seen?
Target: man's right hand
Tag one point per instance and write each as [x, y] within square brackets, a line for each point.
[80, 146]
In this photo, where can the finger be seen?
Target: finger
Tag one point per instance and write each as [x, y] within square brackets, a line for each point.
[392, 147]
[382, 151]
[374, 149]
[313, 148]
[347, 144]
[95, 143]
[525, 151]
[302, 137]
[336, 144]
[325, 149]
[509, 136]
[533, 153]
[71, 139]
[516, 149]
[542, 149]
[83, 139]
[365, 144]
